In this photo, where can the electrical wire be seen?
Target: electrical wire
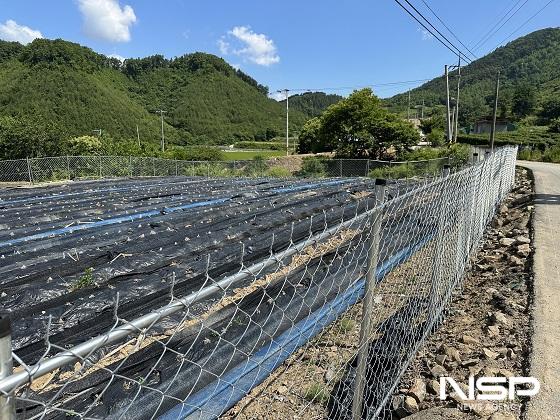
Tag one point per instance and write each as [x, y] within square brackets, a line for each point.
[374, 85]
[451, 47]
[527, 21]
[449, 29]
[492, 33]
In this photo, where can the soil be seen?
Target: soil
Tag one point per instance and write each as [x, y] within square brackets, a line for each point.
[485, 332]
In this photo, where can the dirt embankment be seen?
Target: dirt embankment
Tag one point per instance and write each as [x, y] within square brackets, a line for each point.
[487, 331]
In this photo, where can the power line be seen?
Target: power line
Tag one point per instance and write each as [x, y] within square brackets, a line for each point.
[447, 44]
[447, 27]
[387, 84]
[527, 21]
[492, 32]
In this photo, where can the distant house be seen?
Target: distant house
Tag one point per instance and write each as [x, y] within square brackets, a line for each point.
[484, 126]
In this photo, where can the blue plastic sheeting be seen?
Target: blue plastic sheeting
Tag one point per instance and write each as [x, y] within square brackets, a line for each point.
[111, 221]
[77, 193]
[222, 394]
[147, 214]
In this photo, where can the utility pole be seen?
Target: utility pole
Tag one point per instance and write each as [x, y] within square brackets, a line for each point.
[448, 119]
[493, 130]
[456, 129]
[453, 120]
[161, 112]
[286, 92]
[138, 134]
[408, 109]
[422, 109]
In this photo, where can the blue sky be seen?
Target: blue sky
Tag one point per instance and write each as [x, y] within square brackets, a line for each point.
[304, 44]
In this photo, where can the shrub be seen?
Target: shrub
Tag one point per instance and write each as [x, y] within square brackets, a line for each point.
[256, 167]
[279, 172]
[263, 145]
[195, 153]
[436, 137]
[554, 126]
[552, 155]
[396, 171]
[313, 167]
[83, 146]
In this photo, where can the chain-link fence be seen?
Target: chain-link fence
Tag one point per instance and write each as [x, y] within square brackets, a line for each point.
[36, 170]
[321, 325]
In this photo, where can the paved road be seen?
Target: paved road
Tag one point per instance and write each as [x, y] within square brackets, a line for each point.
[545, 363]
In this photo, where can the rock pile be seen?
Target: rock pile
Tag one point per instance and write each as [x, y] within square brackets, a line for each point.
[487, 331]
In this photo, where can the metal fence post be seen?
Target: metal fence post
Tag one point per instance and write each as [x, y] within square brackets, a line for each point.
[29, 172]
[154, 166]
[68, 166]
[367, 303]
[130, 165]
[7, 406]
[207, 169]
[340, 164]
[438, 260]
[176, 167]
[100, 171]
[367, 168]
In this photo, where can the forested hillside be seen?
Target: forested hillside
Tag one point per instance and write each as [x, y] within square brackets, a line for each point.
[74, 91]
[312, 104]
[529, 76]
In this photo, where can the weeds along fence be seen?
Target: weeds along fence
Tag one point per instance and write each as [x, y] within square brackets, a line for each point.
[35, 170]
[321, 327]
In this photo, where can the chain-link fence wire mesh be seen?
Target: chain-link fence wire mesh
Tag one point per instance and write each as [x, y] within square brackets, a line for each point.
[341, 307]
[35, 170]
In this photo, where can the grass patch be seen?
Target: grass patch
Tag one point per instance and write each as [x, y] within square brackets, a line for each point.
[346, 324]
[317, 393]
[85, 280]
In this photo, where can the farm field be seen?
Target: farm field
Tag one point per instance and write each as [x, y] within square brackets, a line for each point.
[68, 250]
[250, 154]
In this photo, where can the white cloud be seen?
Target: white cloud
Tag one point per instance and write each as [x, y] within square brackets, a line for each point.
[107, 20]
[223, 45]
[257, 48]
[118, 57]
[11, 31]
[277, 96]
[426, 35]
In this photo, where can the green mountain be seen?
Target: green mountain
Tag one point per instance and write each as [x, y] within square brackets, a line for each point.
[78, 90]
[312, 104]
[529, 76]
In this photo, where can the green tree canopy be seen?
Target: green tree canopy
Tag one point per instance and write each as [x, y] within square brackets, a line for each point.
[23, 137]
[524, 99]
[358, 127]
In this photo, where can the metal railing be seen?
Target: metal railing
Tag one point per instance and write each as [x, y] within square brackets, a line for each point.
[337, 314]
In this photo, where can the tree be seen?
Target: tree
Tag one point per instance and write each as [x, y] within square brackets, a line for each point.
[550, 109]
[23, 137]
[436, 122]
[436, 137]
[358, 127]
[471, 109]
[309, 136]
[524, 99]
[83, 145]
